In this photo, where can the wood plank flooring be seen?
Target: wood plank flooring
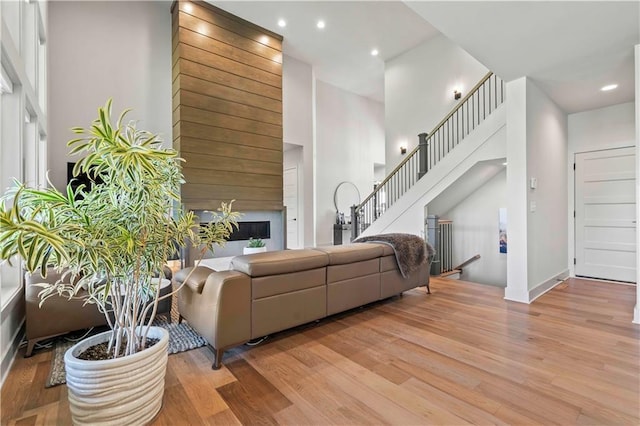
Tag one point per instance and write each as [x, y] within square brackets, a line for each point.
[461, 355]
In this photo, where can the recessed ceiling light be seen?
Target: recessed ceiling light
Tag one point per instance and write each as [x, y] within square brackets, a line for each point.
[504, 164]
[374, 52]
[609, 87]
[320, 24]
[282, 23]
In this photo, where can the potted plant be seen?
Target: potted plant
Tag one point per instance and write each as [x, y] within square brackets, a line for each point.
[112, 240]
[254, 245]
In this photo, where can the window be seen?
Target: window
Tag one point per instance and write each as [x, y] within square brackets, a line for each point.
[23, 139]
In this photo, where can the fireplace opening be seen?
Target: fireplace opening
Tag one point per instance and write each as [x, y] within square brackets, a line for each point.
[246, 230]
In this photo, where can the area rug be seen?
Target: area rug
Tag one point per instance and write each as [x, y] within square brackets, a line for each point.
[181, 338]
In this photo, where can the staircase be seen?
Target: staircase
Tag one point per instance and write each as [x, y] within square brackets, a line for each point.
[483, 99]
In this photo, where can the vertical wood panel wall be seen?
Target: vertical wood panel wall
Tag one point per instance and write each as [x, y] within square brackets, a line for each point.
[227, 109]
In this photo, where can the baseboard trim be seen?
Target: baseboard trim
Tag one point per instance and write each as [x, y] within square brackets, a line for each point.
[547, 285]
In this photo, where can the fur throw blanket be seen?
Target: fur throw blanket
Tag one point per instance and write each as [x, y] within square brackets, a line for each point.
[411, 251]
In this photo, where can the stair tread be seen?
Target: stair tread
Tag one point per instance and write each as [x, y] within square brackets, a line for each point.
[451, 272]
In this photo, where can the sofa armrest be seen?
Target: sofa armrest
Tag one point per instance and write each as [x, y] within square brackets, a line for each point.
[221, 311]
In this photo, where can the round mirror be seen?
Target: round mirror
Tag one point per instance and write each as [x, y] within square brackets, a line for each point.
[345, 196]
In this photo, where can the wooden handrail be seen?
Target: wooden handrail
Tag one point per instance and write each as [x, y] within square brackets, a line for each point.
[435, 129]
[468, 261]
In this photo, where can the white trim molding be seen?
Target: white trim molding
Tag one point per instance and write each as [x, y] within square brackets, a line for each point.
[547, 285]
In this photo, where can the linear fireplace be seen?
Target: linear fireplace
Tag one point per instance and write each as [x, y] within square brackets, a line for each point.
[255, 229]
[266, 225]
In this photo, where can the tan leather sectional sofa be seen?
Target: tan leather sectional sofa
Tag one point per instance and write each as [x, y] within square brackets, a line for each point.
[269, 292]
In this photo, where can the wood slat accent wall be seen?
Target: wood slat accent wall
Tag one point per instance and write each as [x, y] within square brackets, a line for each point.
[227, 108]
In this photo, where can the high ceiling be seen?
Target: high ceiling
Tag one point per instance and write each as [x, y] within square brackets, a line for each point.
[341, 52]
[570, 49]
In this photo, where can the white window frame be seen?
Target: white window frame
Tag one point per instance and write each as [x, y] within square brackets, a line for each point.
[22, 112]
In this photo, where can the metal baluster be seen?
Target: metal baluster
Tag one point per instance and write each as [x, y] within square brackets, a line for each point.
[406, 177]
[395, 188]
[495, 91]
[404, 183]
[467, 131]
[450, 251]
[489, 81]
[484, 100]
[447, 137]
[458, 114]
[479, 108]
[473, 112]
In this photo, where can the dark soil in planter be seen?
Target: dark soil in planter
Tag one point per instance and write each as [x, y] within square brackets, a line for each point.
[99, 352]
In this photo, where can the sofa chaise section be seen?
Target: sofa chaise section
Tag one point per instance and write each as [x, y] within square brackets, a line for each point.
[269, 292]
[287, 288]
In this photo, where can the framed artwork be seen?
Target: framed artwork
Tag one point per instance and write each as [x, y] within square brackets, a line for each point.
[502, 230]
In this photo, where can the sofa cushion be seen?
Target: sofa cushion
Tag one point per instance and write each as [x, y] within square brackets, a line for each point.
[279, 262]
[286, 283]
[196, 280]
[352, 293]
[275, 313]
[336, 273]
[350, 253]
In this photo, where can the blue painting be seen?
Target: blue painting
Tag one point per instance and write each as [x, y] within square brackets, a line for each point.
[502, 227]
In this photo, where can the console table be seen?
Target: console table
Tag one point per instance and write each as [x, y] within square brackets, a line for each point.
[338, 233]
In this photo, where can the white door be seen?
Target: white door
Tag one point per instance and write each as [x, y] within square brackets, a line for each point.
[605, 209]
[291, 202]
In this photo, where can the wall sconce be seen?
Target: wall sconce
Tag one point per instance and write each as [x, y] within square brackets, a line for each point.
[403, 149]
[457, 94]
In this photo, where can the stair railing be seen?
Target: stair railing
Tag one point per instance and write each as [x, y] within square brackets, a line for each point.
[472, 109]
[444, 251]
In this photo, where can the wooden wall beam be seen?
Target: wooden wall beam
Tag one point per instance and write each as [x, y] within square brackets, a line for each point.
[227, 108]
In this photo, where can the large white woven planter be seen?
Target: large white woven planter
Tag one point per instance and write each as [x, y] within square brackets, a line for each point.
[121, 391]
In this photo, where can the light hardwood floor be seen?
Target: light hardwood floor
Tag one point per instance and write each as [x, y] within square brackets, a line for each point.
[460, 355]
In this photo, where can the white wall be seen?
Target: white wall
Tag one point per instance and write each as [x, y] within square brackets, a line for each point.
[297, 111]
[516, 104]
[348, 129]
[419, 87]
[538, 222]
[603, 128]
[475, 231]
[548, 225]
[104, 49]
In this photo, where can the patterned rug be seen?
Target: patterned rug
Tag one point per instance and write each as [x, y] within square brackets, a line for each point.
[181, 338]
